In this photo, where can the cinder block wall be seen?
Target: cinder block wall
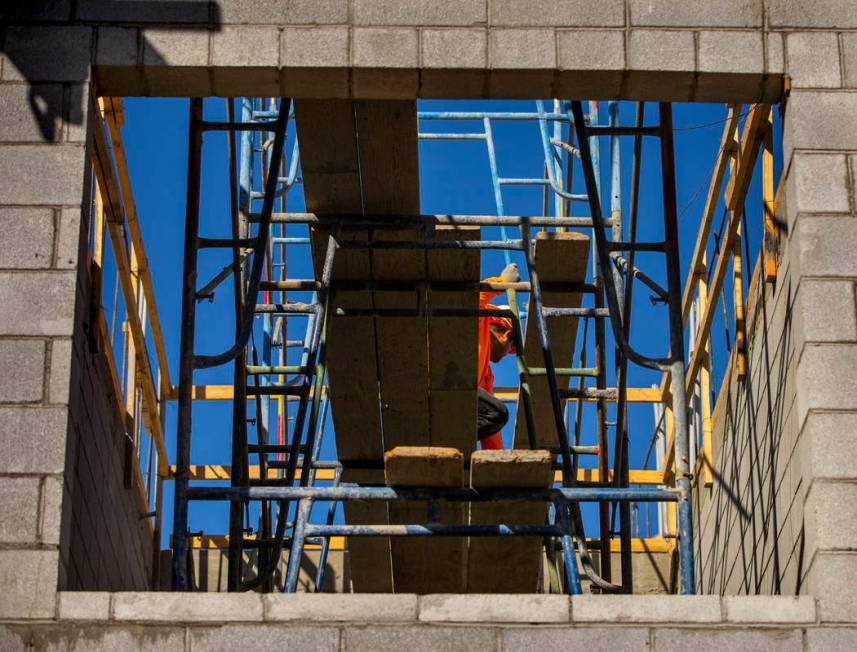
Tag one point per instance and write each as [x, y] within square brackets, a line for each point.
[106, 541]
[640, 49]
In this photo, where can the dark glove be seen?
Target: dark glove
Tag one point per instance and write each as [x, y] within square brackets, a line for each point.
[510, 273]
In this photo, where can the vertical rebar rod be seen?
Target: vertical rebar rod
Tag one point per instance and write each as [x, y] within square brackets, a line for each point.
[677, 371]
[180, 509]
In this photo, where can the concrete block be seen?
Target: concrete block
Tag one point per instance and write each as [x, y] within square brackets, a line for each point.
[77, 111]
[315, 47]
[813, 59]
[315, 83]
[21, 166]
[832, 579]
[60, 374]
[828, 639]
[47, 10]
[84, 605]
[495, 608]
[26, 237]
[772, 609]
[848, 43]
[174, 61]
[520, 49]
[614, 639]
[117, 59]
[645, 609]
[19, 509]
[420, 639]
[117, 46]
[41, 53]
[15, 638]
[187, 607]
[37, 303]
[384, 48]
[821, 184]
[32, 440]
[818, 120]
[829, 445]
[350, 607]
[68, 239]
[245, 46]
[453, 48]
[837, 322]
[713, 640]
[696, 13]
[22, 371]
[265, 637]
[29, 581]
[775, 56]
[291, 12]
[546, 13]
[731, 52]
[821, 13]
[826, 379]
[187, 11]
[30, 113]
[419, 12]
[50, 511]
[384, 84]
[591, 50]
[650, 49]
[439, 83]
[521, 84]
[175, 47]
[830, 514]
[824, 244]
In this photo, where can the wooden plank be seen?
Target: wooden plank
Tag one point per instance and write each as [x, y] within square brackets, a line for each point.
[114, 115]
[369, 557]
[560, 257]
[453, 345]
[505, 564]
[427, 564]
[770, 243]
[327, 134]
[111, 197]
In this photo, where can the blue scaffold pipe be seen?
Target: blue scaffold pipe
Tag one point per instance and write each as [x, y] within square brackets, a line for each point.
[481, 115]
[351, 492]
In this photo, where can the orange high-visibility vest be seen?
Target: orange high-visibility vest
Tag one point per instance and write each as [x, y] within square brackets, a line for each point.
[485, 375]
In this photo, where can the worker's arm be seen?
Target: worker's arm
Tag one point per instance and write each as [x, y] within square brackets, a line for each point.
[510, 274]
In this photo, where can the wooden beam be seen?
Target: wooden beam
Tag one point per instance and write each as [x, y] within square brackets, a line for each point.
[560, 257]
[111, 196]
[114, 116]
[423, 564]
[736, 194]
[502, 564]
[770, 243]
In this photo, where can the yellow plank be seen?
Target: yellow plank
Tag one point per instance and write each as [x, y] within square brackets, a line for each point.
[221, 542]
[560, 257]
[506, 564]
[115, 119]
[111, 197]
[426, 564]
[771, 238]
[224, 472]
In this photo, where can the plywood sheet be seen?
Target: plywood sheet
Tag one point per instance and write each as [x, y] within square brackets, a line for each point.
[560, 257]
[427, 564]
[507, 564]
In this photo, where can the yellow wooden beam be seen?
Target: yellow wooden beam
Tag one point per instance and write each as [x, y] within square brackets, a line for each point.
[224, 472]
[112, 199]
[114, 116]
[221, 542]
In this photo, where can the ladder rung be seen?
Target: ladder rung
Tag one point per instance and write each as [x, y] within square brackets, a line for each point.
[262, 369]
[564, 371]
[576, 312]
[611, 393]
[290, 307]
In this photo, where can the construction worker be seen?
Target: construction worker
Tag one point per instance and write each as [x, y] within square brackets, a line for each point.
[496, 341]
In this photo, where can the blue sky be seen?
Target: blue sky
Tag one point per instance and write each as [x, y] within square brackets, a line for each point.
[454, 178]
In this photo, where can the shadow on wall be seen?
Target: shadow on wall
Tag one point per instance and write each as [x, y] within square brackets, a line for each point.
[33, 61]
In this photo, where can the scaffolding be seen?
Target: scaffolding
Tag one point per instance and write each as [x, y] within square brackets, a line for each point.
[284, 482]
